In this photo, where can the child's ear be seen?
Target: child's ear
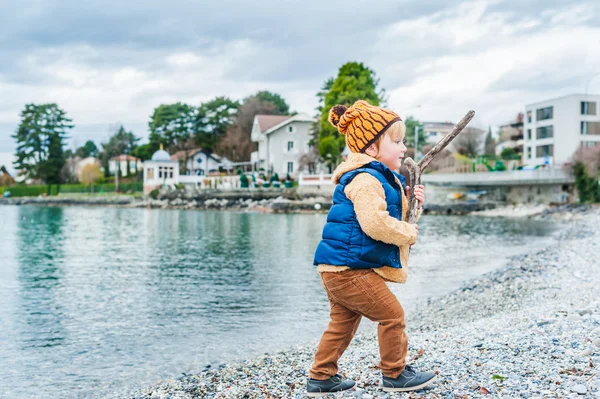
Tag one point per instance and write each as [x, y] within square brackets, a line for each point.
[371, 151]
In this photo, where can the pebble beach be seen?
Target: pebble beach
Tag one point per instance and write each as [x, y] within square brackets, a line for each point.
[530, 329]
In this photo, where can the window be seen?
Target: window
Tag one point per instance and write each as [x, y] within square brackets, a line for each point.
[150, 173]
[528, 116]
[545, 151]
[528, 134]
[171, 172]
[290, 146]
[588, 108]
[160, 172]
[544, 113]
[591, 128]
[590, 144]
[544, 132]
[529, 152]
[291, 129]
[290, 167]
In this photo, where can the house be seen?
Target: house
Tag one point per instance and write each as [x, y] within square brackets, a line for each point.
[282, 141]
[435, 131]
[160, 170]
[554, 129]
[511, 136]
[200, 162]
[122, 161]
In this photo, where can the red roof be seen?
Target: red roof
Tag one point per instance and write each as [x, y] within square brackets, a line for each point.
[265, 122]
[123, 157]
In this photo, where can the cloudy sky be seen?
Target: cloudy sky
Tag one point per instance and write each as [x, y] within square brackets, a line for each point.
[109, 61]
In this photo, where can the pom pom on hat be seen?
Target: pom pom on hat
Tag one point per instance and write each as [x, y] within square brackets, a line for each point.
[335, 114]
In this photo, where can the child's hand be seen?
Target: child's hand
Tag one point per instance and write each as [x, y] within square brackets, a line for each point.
[419, 194]
[416, 226]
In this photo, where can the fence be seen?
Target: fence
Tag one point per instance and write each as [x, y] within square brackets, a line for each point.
[314, 180]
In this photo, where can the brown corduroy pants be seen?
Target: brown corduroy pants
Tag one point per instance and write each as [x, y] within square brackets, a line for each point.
[352, 294]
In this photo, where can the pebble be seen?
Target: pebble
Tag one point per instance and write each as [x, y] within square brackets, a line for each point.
[585, 352]
[579, 388]
[476, 337]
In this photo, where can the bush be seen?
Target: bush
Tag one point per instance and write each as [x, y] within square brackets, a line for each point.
[154, 193]
[587, 187]
[244, 183]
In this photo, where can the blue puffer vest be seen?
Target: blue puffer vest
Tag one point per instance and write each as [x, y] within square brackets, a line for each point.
[343, 242]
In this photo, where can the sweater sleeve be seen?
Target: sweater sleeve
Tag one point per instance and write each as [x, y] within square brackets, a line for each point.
[368, 198]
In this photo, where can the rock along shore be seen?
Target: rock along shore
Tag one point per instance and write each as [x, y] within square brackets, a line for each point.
[268, 201]
[530, 330]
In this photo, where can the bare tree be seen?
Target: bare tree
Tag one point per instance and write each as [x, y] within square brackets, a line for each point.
[237, 145]
[469, 142]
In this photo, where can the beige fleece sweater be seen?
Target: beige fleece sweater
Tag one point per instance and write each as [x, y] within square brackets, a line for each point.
[368, 197]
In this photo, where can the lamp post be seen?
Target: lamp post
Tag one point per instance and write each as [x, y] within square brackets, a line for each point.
[416, 142]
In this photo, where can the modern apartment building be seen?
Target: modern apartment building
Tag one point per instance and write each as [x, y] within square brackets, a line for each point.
[555, 129]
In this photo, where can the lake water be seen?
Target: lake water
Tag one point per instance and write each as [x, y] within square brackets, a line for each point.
[97, 302]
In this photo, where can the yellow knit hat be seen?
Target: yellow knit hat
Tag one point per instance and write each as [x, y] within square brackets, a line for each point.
[362, 123]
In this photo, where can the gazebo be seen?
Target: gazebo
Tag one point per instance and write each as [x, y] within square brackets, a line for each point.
[159, 171]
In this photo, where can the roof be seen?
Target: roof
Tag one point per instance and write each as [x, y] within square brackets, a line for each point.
[438, 125]
[180, 155]
[123, 157]
[266, 122]
[585, 96]
[161, 156]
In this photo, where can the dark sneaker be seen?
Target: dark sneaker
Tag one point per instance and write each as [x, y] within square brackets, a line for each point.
[409, 380]
[336, 383]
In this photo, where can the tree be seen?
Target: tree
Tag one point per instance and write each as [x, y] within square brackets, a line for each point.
[40, 137]
[237, 145]
[173, 125]
[90, 175]
[282, 107]
[469, 142]
[490, 143]
[212, 121]
[5, 178]
[409, 138]
[120, 142]
[89, 149]
[143, 152]
[354, 82]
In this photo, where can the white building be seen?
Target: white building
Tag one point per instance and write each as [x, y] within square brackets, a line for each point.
[135, 164]
[282, 141]
[201, 163]
[435, 131]
[555, 129]
[159, 171]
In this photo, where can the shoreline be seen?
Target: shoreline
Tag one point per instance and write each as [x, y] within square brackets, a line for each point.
[278, 203]
[529, 329]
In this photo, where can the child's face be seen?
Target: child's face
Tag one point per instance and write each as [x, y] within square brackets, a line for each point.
[391, 151]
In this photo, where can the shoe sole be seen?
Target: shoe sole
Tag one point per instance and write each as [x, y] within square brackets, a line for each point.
[321, 394]
[415, 388]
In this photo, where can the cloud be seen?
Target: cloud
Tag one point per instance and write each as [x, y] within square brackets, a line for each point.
[106, 62]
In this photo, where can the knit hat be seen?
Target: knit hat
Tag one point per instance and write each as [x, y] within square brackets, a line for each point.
[362, 123]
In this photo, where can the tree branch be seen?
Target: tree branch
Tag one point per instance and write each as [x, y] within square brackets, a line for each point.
[416, 170]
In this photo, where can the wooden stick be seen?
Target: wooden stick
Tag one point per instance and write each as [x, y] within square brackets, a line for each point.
[416, 170]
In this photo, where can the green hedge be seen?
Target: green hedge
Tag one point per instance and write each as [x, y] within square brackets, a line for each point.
[34, 191]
